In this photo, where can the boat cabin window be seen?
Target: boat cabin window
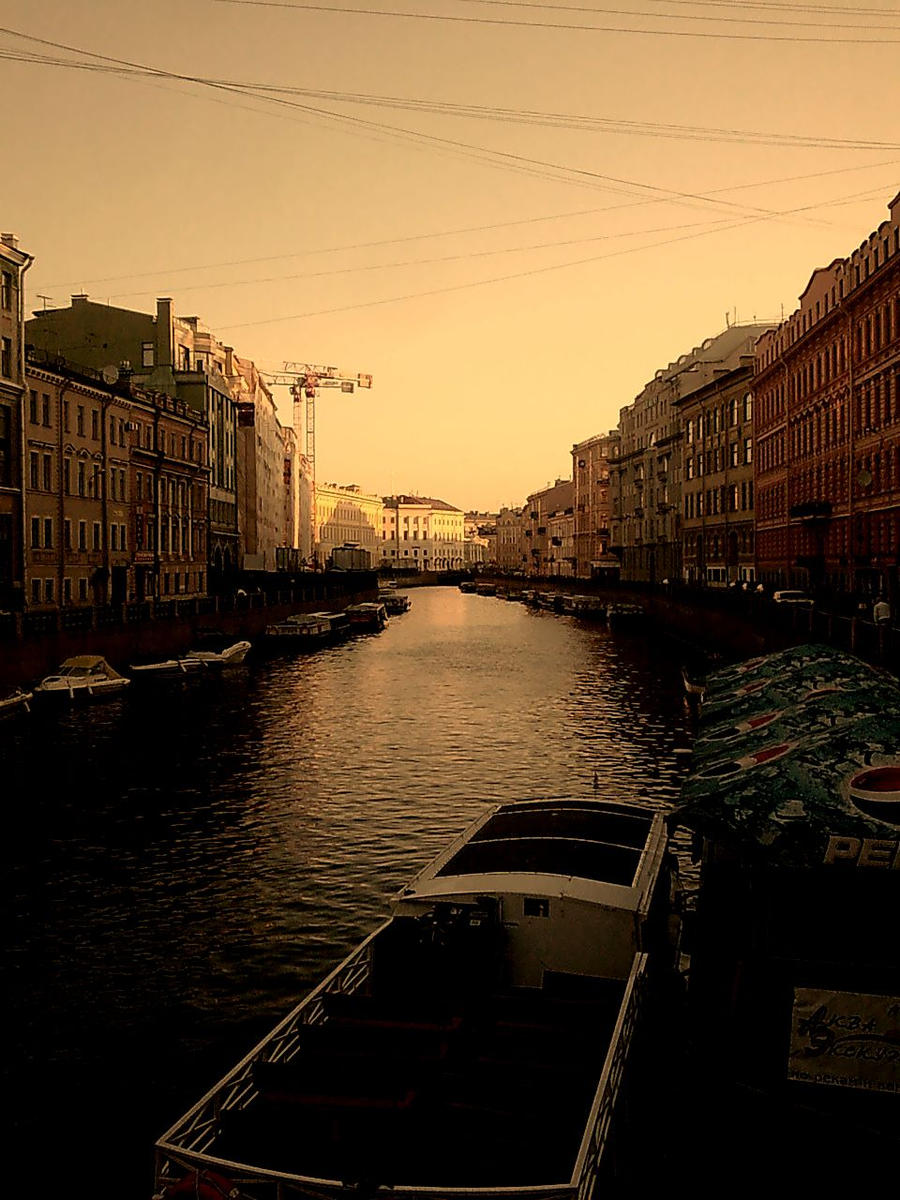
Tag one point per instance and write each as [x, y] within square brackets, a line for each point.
[535, 907]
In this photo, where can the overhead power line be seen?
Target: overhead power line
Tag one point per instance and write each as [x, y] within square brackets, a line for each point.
[578, 121]
[781, 9]
[720, 228]
[561, 25]
[534, 167]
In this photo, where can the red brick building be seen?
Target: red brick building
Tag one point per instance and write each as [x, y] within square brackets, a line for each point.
[827, 427]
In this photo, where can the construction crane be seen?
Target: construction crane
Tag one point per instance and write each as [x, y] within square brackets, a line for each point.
[304, 380]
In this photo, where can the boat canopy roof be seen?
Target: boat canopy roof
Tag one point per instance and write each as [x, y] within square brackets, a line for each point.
[797, 760]
[85, 664]
[591, 850]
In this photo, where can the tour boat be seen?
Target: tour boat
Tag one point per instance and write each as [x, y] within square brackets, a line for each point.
[473, 1046]
[338, 624]
[231, 656]
[369, 616]
[299, 631]
[87, 676]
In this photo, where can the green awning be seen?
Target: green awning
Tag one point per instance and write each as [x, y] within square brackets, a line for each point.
[797, 760]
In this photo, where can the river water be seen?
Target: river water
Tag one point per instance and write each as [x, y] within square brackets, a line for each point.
[183, 863]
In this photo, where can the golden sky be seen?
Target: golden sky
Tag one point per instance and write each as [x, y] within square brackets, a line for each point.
[509, 214]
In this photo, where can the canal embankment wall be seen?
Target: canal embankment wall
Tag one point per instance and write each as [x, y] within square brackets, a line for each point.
[34, 645]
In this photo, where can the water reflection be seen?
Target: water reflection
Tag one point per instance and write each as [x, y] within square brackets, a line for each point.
[182, 863]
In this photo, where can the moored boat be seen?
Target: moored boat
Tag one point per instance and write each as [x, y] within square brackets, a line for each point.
[169, 668]
[18, 701]
[624, 615]
[300, 631]
[84, 676]
[394, 602]
[231, 656]
[590, 607]
[368, 617]
[473, 1045]
[338, 624]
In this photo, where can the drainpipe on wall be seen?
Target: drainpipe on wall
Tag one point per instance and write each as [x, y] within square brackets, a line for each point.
[23, 445]
[61, 505]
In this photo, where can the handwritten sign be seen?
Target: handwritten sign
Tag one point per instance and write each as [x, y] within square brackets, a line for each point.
[845, 1039]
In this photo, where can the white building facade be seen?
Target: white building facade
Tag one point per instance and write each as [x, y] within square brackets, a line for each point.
[419, 533]
[345, 515]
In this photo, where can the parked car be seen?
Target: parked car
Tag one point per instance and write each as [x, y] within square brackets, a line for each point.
[801, 599]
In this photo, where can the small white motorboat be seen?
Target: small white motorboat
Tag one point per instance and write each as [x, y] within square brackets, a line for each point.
[170, 668]
[16, 702]
[231, 656]
[85, 675]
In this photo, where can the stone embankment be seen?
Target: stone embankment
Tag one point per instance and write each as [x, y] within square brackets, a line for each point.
[34, 645]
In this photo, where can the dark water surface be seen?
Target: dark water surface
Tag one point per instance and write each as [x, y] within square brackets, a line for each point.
[183, 863]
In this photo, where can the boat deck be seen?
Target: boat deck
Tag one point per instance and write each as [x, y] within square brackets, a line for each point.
[427, 1086]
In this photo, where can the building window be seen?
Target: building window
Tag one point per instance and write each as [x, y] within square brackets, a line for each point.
[35, 533]
[80, 478]
[67, 590]
[35, 470]
[35, 591]
[6, 290]
[96, 542]
[32, 407]
[82, 588]
[79, 423]
[65, 409]
[45, 410]
[82, 535]
[113, 537]
[48, 533]
[748, 407]
[48, 591]
[122, 543]
[67, 533]
[533, 906]
[95, 424]
[748, 450]
[147, 354]
[6, 358]
[67, 476]
[48, 473]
